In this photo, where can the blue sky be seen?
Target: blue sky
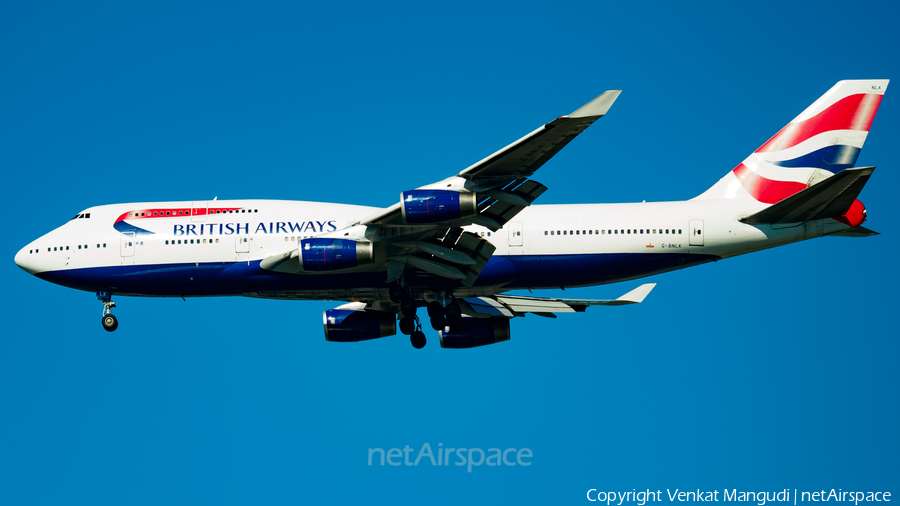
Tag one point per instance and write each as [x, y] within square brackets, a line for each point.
[770, 371]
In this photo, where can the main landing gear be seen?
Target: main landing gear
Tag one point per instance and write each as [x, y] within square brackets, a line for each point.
[409, 323]
[441, 313]
[110, 323]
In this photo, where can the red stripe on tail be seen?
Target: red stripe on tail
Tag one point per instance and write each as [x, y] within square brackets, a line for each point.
[768, 191]
[855, 112]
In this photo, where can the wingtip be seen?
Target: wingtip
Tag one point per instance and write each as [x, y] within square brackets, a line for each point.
[597, 107]
[638, 295]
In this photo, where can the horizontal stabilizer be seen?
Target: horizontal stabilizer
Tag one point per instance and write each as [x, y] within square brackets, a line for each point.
[827, 199]
[855, 232]
[515, 305]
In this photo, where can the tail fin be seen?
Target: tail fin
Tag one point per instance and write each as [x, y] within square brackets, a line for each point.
[823, 140]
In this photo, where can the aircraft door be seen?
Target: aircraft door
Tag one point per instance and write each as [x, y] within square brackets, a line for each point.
[696, 230]
[127, 244]
[241, 244]
[199, 210]
[515, 233]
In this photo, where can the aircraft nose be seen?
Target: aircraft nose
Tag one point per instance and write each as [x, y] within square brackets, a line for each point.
[22, 260]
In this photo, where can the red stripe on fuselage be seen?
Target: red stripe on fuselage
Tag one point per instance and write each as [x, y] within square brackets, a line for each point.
[768, 191]
[173, 213]
[855, 112]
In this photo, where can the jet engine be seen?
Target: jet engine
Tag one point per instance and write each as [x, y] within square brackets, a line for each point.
[320, 254]
[351, 325]
[474, 332]
[432, 206]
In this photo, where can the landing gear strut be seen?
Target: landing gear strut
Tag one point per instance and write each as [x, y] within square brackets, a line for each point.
[110, 323]
[409, 324]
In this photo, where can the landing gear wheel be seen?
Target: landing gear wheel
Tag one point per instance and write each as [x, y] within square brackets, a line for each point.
[435, 309]
[396, 293]
[438, 322]
[407, 325]
[453, 311]
[418, 339]
[109, 322]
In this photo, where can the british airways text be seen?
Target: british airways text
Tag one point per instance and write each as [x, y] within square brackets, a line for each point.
[280, 227]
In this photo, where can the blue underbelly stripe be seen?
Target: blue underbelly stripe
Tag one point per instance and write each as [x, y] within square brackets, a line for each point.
[235, 278]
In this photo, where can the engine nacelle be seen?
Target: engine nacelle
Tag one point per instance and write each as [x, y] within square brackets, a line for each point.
[476, 332]
[320, 254]
[432, 206]
[352, 325]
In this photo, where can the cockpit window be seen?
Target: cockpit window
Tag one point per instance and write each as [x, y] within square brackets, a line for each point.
[82, 215]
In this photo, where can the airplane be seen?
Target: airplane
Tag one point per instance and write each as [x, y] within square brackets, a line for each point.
[457, 246]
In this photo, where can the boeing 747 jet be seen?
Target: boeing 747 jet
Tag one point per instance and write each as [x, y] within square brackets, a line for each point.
[456, 247]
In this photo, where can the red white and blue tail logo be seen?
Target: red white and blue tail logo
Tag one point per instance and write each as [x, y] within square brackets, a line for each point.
[822, 141]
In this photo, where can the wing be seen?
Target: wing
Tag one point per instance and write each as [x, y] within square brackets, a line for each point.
[510, 306]
[491, 191]
[500, 180]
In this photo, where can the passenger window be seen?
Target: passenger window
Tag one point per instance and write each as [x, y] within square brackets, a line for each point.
[564, 232]
[679, 231]
[577, 232]
[629, 230]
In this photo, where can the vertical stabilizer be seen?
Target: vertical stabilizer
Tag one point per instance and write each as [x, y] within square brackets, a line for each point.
[822, 141]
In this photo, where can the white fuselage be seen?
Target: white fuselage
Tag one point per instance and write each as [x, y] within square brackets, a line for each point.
[124, 248]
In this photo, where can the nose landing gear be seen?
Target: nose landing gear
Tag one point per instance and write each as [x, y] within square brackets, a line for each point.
[110, 323]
